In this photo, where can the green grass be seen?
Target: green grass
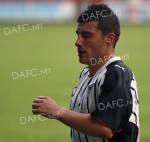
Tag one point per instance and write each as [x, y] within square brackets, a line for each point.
[53, 47]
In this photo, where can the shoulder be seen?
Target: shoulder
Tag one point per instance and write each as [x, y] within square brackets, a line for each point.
[118, 73]
[119, 68]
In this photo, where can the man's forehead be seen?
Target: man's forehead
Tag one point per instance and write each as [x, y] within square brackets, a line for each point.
[87, 26]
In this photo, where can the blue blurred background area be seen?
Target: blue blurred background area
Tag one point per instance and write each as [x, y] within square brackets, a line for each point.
[50, 11]
[38, 57]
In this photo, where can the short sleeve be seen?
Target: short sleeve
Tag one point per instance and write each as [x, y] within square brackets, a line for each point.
[115, 100]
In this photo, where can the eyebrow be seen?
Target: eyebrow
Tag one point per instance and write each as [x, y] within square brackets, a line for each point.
[83, 32]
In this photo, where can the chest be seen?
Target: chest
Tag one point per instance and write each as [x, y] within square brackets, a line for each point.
[85, 95]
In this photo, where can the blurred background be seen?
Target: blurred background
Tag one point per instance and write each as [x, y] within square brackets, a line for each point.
[58, 11]
[38, 57]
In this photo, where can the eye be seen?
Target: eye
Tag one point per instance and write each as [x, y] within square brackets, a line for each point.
[85, 35]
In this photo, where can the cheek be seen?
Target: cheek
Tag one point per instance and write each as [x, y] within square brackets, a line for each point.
[94, 50]
[90, 51]
[99, 49]
[95, 47]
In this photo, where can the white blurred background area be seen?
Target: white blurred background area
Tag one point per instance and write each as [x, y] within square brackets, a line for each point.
[60, 11]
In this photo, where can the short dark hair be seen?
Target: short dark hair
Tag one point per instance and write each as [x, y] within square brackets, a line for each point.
[107, 20]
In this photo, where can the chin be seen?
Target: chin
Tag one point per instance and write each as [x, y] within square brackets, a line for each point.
[83, 62]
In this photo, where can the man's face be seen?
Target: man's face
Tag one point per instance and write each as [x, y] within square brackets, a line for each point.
[91, 42]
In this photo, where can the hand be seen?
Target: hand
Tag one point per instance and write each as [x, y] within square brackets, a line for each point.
[45, 106]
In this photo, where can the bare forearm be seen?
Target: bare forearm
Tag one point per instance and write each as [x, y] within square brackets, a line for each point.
[84, 123]
[81, 122]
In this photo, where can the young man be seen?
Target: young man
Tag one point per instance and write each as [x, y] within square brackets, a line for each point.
[104, 104]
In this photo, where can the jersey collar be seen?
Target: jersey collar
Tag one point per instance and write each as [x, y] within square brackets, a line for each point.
[113, 59]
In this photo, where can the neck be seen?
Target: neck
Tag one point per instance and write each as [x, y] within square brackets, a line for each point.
[99, 63]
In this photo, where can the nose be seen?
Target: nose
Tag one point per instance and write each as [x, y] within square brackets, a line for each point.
[78, 42]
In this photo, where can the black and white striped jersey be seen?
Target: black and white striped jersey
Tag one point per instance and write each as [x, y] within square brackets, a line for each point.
[110, 96]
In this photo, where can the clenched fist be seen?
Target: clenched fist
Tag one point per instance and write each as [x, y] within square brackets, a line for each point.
[46, 107]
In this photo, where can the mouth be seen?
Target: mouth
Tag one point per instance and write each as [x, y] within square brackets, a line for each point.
[81, 52]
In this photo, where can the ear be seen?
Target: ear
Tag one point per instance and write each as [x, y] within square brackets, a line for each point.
[110, 38]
